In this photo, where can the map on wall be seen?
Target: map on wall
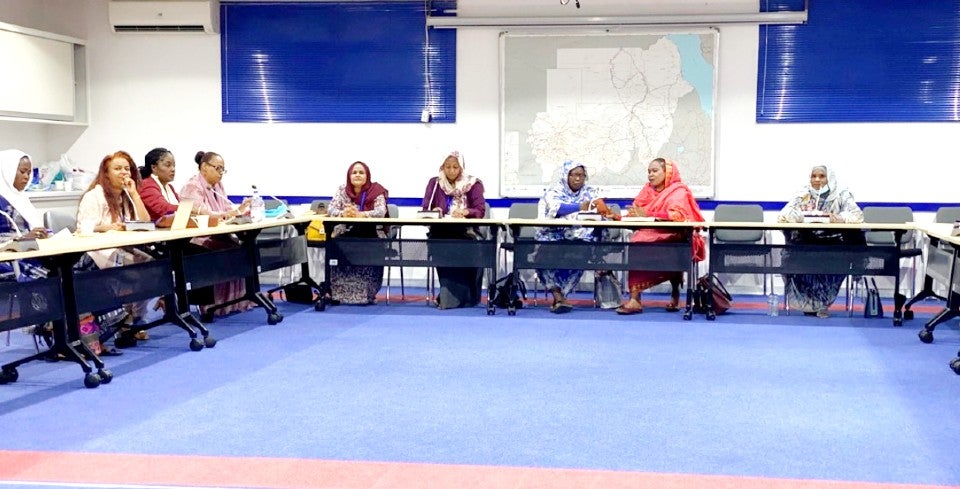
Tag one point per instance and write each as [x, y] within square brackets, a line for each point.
[611, 101]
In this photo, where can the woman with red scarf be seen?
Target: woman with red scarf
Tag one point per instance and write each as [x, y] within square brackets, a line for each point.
[359, 197]
[664, 197]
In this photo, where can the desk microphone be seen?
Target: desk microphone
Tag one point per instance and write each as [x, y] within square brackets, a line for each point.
[19, 243]
[224, 197]
[282, 205]
[133, 204]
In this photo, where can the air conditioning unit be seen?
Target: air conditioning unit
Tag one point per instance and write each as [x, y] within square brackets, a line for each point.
[165, 15]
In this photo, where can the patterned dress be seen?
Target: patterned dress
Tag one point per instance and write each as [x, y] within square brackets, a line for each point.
[813, 293]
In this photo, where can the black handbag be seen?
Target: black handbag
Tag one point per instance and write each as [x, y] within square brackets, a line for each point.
[872, 307]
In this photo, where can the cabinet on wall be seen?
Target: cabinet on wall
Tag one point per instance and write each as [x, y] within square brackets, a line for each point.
[45, 76]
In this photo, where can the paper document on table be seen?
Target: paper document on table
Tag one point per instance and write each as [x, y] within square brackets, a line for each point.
[638, 219]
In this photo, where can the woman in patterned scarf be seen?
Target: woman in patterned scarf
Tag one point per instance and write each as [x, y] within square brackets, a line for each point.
[455, 194]
[814, 293]
[565, 199]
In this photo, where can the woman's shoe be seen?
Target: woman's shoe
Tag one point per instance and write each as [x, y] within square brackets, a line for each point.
[561, 307]
[626, 310]
[823, 314]
[141, 335]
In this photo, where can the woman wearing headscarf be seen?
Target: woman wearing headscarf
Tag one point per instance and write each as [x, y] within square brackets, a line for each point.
[359, 197]
[814, 293]
[453, 193]
[16, 171]
[665, 197]
[206, 191]
[565, 199]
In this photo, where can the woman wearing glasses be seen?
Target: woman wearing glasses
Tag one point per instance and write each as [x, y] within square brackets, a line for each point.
[206, 191]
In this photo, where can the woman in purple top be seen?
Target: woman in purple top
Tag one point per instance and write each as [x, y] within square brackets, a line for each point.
[457, 195]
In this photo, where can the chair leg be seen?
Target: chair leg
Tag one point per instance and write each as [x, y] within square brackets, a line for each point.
[403, 293]
[388, 285]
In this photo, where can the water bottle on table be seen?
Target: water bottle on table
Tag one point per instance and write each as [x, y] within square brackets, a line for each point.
[257, 207]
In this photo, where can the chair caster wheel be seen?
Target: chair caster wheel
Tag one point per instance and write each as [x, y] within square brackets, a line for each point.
[320, 306]
[908, 314]
[274, 318]
[9, 375]
[209, 341]
[195, 344]
[105, 376]
[926, 336]
[491, 311]
[955, 365]
[91, 380]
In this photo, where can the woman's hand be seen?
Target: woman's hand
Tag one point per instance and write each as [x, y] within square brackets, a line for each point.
[113, 226]
[243, 206]
[636, 211]
[835, 218]
[351, 211]
[37, 233]
[585, 205]
[460, 213]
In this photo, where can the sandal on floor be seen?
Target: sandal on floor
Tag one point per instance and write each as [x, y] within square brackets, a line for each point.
[561, 307]
[626, 311]
[141, 335]
[823, 314]
[109, 352]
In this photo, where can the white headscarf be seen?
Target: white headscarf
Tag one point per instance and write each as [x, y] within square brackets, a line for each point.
[9, 161]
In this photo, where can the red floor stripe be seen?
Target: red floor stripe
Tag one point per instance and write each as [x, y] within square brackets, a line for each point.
[280, 473]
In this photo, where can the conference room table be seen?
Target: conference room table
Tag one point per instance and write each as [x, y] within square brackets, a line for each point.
[412, 252]
[947, 273]
[619, 254]
[852, 259]
[61, 297]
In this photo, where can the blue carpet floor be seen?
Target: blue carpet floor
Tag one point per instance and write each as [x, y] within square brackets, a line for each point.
[788, 397]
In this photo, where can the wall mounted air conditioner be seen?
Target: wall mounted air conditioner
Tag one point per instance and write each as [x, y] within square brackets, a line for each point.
[165, 15]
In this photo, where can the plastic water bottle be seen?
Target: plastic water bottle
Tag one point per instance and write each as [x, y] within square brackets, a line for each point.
[257, 208]
[773, 300]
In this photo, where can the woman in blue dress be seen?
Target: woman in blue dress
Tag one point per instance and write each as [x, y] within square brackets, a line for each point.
[565, 199]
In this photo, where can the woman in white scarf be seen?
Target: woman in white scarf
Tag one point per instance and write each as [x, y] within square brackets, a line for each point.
[15, 170]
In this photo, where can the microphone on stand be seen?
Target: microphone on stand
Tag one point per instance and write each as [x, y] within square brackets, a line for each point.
[136, 224]
[430, 213]
[283, 211]
[19, 243]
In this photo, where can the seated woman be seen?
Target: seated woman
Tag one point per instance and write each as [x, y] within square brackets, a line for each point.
[455, 194]
[359, 197]
[16, 171]
[814, 293]
[566, 198]
[156, 191]
[667, 198]
[111, 200]
[206, 191]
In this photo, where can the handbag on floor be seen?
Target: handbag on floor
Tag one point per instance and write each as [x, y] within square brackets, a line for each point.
[608, 291]
[872, 306]
[710, 286]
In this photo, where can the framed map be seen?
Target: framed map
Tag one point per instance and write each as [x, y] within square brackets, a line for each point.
[611, 101]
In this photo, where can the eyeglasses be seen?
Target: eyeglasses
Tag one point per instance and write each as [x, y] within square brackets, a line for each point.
[219, 169]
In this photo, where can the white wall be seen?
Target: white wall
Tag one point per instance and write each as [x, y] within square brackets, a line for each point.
[152, 90]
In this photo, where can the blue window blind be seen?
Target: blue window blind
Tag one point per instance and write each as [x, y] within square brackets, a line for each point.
[861, 61]
[336, 62]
